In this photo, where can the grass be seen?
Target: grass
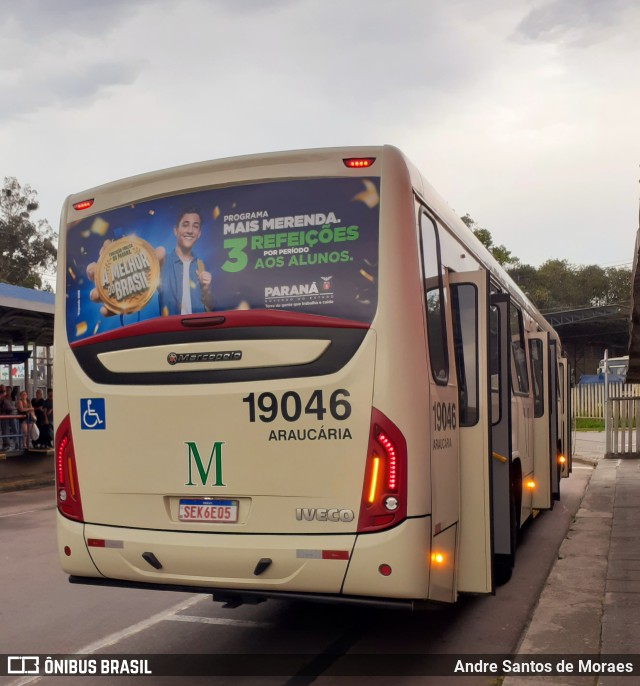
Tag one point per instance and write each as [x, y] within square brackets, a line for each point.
[589, 424]
[594, 424]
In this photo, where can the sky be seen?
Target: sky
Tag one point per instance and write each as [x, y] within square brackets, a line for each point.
[524, 114]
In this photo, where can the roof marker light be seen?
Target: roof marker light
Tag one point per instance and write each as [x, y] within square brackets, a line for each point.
[83, 205]
[358, 162]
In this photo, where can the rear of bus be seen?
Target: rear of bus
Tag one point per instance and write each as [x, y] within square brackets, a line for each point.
[259, 444]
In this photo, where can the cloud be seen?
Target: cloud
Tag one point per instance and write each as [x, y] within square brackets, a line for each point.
[59, 53]
[36, 87]
[248, 7]
[576, 22]
[37, 19]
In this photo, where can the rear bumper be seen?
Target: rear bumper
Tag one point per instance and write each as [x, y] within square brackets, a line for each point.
[326, 566]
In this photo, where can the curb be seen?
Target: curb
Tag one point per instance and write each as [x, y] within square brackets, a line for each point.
[586, 459]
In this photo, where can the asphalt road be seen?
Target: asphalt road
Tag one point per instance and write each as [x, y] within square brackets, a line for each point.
[41, 613]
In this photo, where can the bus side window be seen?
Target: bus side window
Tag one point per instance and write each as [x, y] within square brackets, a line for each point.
[464, 305]
[520, 378]
[434, 300]
[537, 377]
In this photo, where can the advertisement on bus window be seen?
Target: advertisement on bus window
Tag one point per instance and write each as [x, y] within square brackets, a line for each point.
[303, 246]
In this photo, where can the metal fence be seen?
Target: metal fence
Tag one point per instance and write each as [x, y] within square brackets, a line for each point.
[587, 400]
[623, 427]
[621, 415]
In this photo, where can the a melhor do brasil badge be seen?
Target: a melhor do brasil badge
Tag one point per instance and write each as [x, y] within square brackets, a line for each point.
[127, 274]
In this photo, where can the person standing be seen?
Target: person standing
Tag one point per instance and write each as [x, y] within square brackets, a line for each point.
[11, 430]
[46, 439]
[185, 284]
[25, 409]
[5, 423]
[37, 404]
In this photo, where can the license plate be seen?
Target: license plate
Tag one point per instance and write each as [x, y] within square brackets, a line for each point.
[205, 510]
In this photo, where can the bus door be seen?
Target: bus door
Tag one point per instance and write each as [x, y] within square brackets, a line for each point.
[544, 450]
[443, 421]
[470, 315]
[564, 411]
[502, 489]
[553, 419]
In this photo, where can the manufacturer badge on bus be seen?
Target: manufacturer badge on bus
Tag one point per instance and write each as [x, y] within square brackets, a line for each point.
[223, 356]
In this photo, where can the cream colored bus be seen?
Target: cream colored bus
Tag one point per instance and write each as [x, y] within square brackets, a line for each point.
[296, 375]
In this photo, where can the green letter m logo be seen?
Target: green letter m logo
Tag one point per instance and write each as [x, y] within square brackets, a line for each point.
[194, 456]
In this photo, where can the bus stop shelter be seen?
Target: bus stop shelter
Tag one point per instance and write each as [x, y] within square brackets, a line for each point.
[26, 337]
[26, 326]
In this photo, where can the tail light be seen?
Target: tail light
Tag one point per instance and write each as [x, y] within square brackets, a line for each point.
[67, 491]
[384, 492]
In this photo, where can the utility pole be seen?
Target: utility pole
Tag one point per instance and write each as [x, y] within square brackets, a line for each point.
[607, 419]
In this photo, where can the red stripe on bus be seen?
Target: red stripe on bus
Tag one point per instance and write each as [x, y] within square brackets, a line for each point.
[222, 320]
[335, 554]
[96, 543]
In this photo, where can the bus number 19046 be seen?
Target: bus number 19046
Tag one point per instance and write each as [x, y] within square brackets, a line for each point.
[267, 407]
[444, 416]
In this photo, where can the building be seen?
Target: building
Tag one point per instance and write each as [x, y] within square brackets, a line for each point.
[587, 332]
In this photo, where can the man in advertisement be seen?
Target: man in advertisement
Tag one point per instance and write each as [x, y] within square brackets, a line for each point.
[185, 285]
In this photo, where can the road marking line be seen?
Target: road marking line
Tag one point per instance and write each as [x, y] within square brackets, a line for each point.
[221, 621]
[21, 512]
[119, 635]
[137, 628]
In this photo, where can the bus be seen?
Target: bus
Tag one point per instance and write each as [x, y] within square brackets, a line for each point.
[296, 375]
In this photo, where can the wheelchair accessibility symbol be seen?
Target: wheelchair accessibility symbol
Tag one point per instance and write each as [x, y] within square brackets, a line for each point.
[92, 414]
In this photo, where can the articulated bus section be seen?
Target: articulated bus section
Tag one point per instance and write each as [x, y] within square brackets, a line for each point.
[298, 375]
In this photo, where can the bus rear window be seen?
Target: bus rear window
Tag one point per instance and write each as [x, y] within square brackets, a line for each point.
[302, 246]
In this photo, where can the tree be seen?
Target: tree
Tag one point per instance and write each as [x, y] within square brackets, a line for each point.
[499, 252]
[27, 247]
[592, 285]
[619, 285]
[557, 284]
[535, 289]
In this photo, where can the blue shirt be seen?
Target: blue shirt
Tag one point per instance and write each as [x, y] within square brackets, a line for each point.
[170, 287]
